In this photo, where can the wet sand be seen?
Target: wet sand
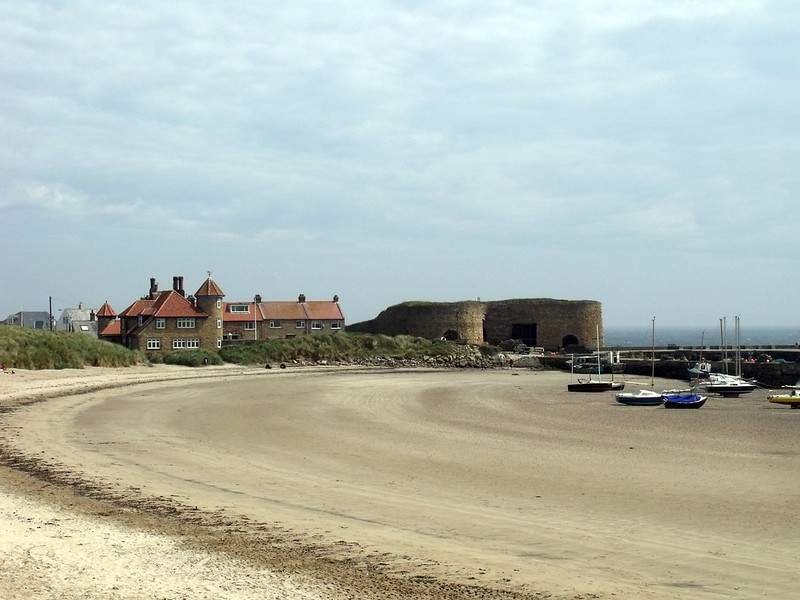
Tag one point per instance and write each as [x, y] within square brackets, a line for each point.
[482, 478]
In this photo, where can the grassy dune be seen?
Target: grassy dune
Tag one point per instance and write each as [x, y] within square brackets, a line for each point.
[29, 349]
[341, 347]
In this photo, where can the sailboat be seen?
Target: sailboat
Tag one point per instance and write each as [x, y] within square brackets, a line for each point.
[645, 397]
[595, 385]
[731, 386]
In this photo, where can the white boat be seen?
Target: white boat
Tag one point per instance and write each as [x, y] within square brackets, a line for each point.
[640, 398]
[729, 386]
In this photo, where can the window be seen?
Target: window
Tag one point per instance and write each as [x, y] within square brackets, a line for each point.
[300, 325]
[161, 323]
[178, 344]
[219, 303]
[249, 325]
[240, 308]
[194, 343]
[38, 324]
[185, 323]
[336, 324]
[154, 344]
[275, 325]
[316, 324]
[84, 328]
[219, 343]
[219, 323]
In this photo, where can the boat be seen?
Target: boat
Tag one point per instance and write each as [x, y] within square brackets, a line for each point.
[641, 398]
[683, 400]
[645, 397]
[594, 385]
[729, 386]
[792, 398]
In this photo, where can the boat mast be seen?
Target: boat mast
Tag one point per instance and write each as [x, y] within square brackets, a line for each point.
[653, 357]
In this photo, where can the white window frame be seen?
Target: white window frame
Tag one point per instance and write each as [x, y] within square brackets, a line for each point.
[299, 324]
[237, 308]
[187, 323]
[316, 325]
[276, 324]
[161, 323]
[219, 343]
[153, 344]
[193, 344]
[219, 303]
[336, 324]
[219, 323]
[178, 344]
[249, 325]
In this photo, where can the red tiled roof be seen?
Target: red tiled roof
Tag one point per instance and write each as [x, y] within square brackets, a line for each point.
[106, 310]
[209, 288]
[288, 311]
[239, 317]
[172, 304]
[324, 310]
[114, 328]
[138, 308]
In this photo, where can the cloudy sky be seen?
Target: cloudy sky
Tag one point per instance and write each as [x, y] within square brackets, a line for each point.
[642, 153]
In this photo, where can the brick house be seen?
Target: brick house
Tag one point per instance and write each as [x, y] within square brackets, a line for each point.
[166, 321]
[258, 320]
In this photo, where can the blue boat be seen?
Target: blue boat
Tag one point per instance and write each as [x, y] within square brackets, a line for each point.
[683, 400]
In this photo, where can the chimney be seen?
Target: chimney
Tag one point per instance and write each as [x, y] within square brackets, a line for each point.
[336, 298]
[258, 299]
[180, 286]
[192, 300]
[80, 305]
[153, 287]
[301, 298]
[175, 283]
[91, 315]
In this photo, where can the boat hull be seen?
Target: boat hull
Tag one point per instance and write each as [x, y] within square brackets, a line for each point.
[631, 400]
[730, 391]
[684, 400]
[596, 386]
[791, 401]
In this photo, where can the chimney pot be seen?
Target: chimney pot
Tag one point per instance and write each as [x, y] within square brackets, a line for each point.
[180, 286]
[258, 298]
[301, 298]
[336, 298]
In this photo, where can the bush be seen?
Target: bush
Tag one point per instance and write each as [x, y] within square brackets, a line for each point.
[31, 349]
[509, 345]
[193, 358]
[490, 350]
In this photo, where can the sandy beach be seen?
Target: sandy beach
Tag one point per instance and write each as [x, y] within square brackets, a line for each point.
[381, 484]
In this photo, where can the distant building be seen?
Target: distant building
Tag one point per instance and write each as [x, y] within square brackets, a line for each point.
[259, 320]
[69, 315]
[32, 319]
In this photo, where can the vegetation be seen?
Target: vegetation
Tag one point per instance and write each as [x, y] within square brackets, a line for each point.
[31, 349]
[192, 358]
[340, 347]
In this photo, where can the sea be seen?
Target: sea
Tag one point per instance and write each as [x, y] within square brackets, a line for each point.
[692, 336]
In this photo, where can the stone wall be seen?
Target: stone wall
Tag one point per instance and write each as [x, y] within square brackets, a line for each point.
[491, 322]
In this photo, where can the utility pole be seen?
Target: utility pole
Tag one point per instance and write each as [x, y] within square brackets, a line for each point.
[50, 299]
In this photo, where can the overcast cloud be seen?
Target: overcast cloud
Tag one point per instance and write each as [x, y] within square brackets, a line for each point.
[640, 153]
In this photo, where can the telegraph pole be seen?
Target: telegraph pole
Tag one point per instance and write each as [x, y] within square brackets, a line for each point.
[50, 299]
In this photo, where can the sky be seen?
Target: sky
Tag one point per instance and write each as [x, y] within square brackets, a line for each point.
[640, 153]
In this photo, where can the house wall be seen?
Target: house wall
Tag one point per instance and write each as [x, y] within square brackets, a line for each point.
[172, 332]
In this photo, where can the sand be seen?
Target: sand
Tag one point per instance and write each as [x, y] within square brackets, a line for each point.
[420, 484]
